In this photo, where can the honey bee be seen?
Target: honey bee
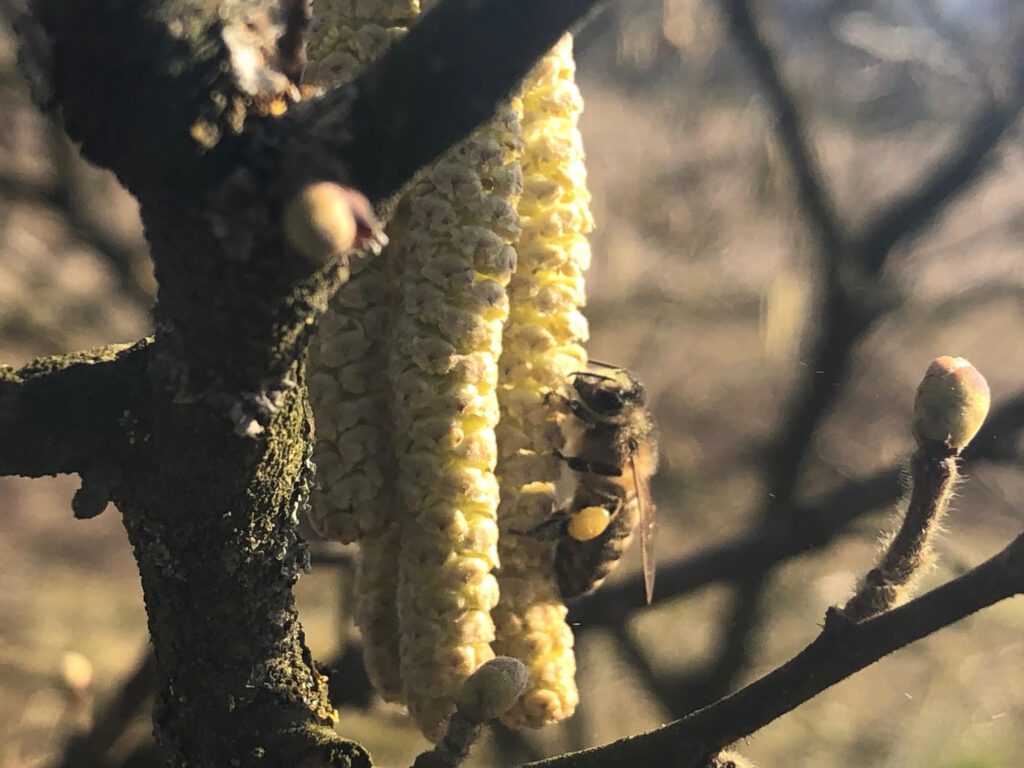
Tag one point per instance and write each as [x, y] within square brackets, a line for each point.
[612, 442]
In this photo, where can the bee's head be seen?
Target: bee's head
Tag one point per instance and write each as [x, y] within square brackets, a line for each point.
[608, 394]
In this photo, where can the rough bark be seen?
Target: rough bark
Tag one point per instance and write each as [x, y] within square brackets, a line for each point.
[201, 436]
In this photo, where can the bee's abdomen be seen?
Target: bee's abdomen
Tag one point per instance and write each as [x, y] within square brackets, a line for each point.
[582, 565]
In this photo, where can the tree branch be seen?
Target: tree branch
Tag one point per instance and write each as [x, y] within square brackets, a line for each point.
[965, 164]
[813, 195]
[842, 649]
[431, 89]
[66, 413]
[212, 497]
[853, 299]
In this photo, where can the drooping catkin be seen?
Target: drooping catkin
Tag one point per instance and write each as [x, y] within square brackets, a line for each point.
[348, 361]
[458, 224]
[542, 346]
[345, 34]
[377, 609]
[349, 390]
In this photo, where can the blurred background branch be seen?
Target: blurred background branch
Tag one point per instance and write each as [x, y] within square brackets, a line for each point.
[854, 294]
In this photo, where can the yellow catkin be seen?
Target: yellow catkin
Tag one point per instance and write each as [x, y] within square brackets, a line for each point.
[458, 223]
[356, 499]
[542, 346]
[377, 610]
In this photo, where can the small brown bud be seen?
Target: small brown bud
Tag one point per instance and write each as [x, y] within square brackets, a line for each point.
[952, 403]
[492, 690]
[325, 219]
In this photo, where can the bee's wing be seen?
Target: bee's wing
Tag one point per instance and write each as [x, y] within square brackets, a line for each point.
[645, 505]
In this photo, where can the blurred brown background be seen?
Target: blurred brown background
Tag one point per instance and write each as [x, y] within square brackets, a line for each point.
[711, 280]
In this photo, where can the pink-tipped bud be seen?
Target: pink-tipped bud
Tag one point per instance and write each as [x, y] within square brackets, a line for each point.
[952, 403]
[325, 219]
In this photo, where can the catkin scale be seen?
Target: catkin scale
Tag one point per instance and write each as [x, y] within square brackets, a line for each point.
[458, 221]
[541, 349]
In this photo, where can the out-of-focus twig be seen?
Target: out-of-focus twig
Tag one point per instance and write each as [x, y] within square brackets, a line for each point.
[129, 263]
[844, 320]
[665, 688]
[963, 165]
[852, 293]
[813, 195]
[89, 749]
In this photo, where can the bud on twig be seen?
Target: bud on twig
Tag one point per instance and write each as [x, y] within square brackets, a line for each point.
[486, 695]
[952, 403]
[324, 219]
[492, 690]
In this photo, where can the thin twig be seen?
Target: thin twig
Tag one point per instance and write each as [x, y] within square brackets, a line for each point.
[910, 552]
[842, 649]
[963, 166]
[89, 749]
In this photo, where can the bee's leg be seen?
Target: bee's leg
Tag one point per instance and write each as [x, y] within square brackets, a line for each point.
[549, 529]
[575, 407]
[580, 464]
[612, 503]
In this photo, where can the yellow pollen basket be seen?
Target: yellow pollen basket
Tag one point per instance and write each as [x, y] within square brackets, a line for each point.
[589, 523]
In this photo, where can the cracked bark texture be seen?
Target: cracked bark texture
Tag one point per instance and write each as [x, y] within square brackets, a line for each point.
[201, 436]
